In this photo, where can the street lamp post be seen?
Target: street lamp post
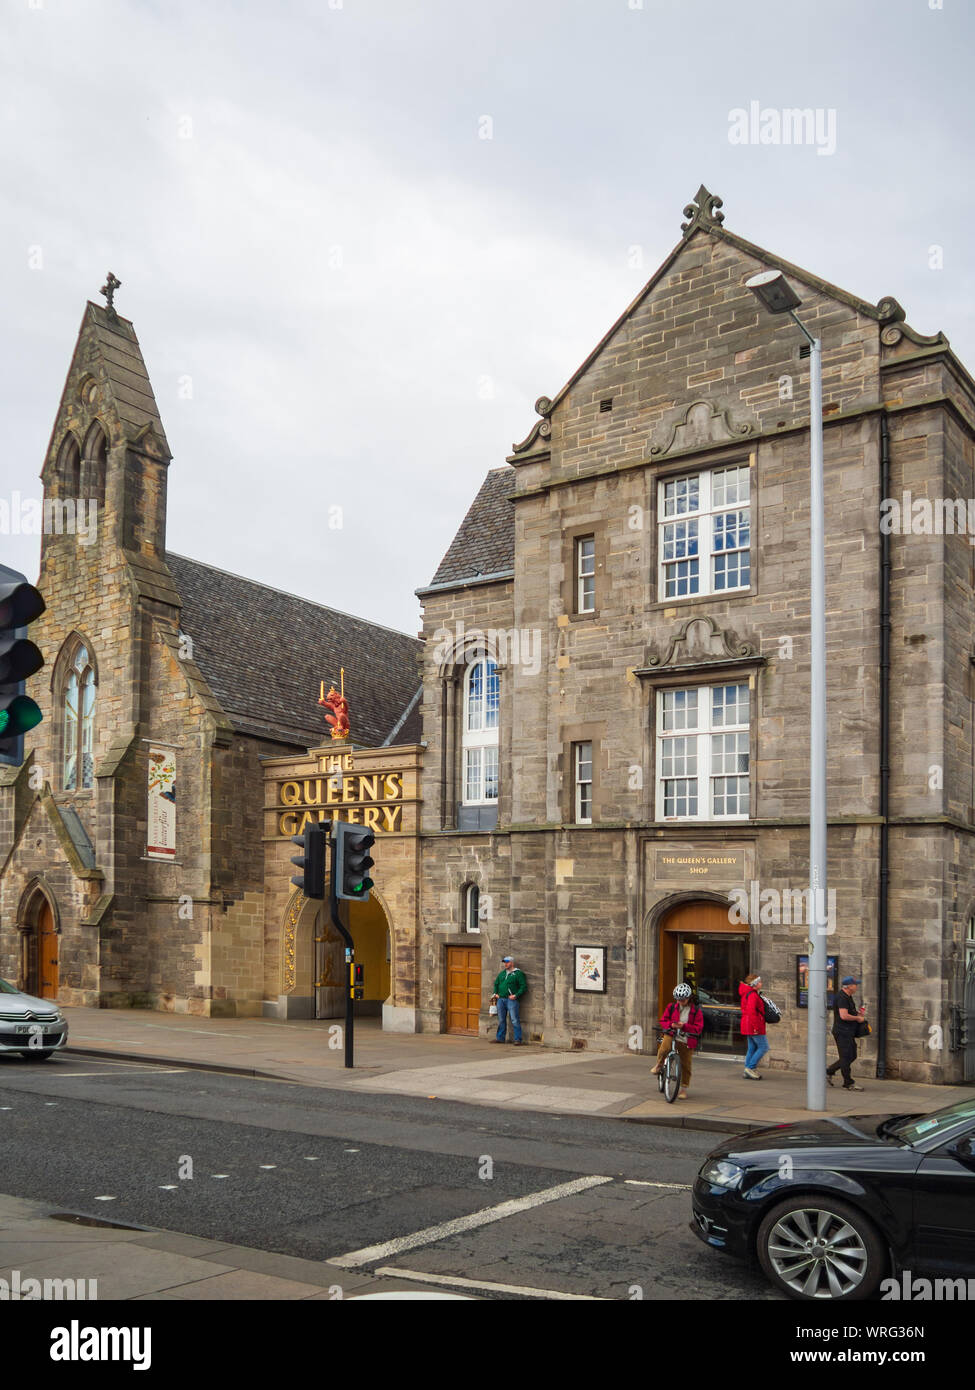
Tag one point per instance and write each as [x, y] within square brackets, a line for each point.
[775, 293]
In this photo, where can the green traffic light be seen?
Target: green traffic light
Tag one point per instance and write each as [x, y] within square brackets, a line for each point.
[20, 715]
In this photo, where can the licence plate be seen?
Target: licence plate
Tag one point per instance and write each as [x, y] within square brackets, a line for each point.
[29, 1028]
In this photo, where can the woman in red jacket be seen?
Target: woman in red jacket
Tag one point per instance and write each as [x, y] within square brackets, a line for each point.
[684, 1014]
[753, 1024]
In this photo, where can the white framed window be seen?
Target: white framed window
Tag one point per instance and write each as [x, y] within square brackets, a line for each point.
[703, 753]
[79, 724]
[586, 574]
[704, 533]
[472, 908]
[970, 946]
[582, 782]
[482, 689]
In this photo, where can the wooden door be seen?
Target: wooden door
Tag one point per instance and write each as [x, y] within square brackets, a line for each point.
[47, 953]
[463, 989]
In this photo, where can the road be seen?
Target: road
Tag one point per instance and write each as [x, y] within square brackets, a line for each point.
[369, 1181]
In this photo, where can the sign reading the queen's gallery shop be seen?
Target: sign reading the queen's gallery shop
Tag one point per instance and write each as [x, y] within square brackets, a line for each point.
[371, 799]
[684, 865]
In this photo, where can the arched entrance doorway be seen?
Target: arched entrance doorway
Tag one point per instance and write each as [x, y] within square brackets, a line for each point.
[369, 929]
[39, 946]
[699, 945]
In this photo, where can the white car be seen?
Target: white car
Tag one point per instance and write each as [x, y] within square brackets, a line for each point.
[35, 1028]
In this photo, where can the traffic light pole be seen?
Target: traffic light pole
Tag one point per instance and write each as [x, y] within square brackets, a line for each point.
[333, 902]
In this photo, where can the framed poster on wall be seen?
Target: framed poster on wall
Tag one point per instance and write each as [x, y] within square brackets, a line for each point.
[589, 969]
[802, 979]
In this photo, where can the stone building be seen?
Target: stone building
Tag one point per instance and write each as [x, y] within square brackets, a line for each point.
[616, 679]
[131, 838]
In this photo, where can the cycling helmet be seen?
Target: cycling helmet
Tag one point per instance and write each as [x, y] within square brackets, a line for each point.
[683, 992]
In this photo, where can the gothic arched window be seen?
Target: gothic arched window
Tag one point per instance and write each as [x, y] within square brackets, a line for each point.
[93, 466]
[79, 723]
[69, 468]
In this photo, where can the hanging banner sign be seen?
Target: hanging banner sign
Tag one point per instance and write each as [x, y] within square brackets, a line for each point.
[162, 804]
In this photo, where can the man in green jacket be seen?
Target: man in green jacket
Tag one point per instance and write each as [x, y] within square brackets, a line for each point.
[508, 989]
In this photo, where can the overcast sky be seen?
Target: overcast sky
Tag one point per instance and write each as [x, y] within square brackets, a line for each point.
[359, 238]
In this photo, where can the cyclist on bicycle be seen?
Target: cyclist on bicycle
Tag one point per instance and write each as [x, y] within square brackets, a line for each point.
[684, 1019]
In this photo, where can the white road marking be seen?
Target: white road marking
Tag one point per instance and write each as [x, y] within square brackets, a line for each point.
[267, 1165]
[122, 1062]
[132, 1071]
[491, 1288]
[106, 1199]
[431, 1234]
[676, 1186]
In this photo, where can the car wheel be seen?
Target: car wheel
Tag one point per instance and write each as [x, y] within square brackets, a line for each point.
[816, 1248]
[35, 1054]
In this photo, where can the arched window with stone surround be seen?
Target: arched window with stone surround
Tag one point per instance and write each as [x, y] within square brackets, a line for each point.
[479, 745]
[69, 468]
[78, 744]
[93, 464]
[471, 907]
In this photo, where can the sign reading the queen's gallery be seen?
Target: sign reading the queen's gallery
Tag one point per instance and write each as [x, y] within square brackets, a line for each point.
[371, 799]
[683, 865]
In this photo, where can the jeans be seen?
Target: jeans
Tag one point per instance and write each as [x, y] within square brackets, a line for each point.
[757, 1048]
[506, 1007]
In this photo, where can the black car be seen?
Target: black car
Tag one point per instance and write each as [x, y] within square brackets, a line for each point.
[831, 1207]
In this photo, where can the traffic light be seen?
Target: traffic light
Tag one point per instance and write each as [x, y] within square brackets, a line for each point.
[20, 604]
[352, 861]
[312, 861]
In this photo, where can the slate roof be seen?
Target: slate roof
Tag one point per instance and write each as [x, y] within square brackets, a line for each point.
[485, 543]
[264, 654]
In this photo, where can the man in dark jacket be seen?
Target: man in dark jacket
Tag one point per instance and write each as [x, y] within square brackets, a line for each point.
[847, 1017]
[508, 989]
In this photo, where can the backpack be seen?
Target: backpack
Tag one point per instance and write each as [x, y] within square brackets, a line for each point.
[770, 1012]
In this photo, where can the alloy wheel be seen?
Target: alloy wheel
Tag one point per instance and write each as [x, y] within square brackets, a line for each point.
[817, 1253]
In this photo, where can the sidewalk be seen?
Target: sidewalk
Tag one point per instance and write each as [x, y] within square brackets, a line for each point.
[39, 1242]
[474, 1070]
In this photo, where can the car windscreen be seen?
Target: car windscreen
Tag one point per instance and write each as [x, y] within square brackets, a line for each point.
[6, 988]
[918, 1127]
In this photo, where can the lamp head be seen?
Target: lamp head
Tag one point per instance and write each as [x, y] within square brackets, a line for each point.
[773, 291]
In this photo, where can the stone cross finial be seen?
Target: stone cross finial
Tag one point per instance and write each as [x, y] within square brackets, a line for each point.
[703, 212]
[108, 290]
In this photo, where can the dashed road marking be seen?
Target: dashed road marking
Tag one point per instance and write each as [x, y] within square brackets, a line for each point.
[431, 1234]
[674, 1186]
[453, 1281]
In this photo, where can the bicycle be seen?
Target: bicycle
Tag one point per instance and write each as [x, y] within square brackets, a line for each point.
[671, 1070]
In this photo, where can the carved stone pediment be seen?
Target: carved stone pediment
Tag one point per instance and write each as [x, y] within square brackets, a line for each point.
[697, 426]
[700, 641]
